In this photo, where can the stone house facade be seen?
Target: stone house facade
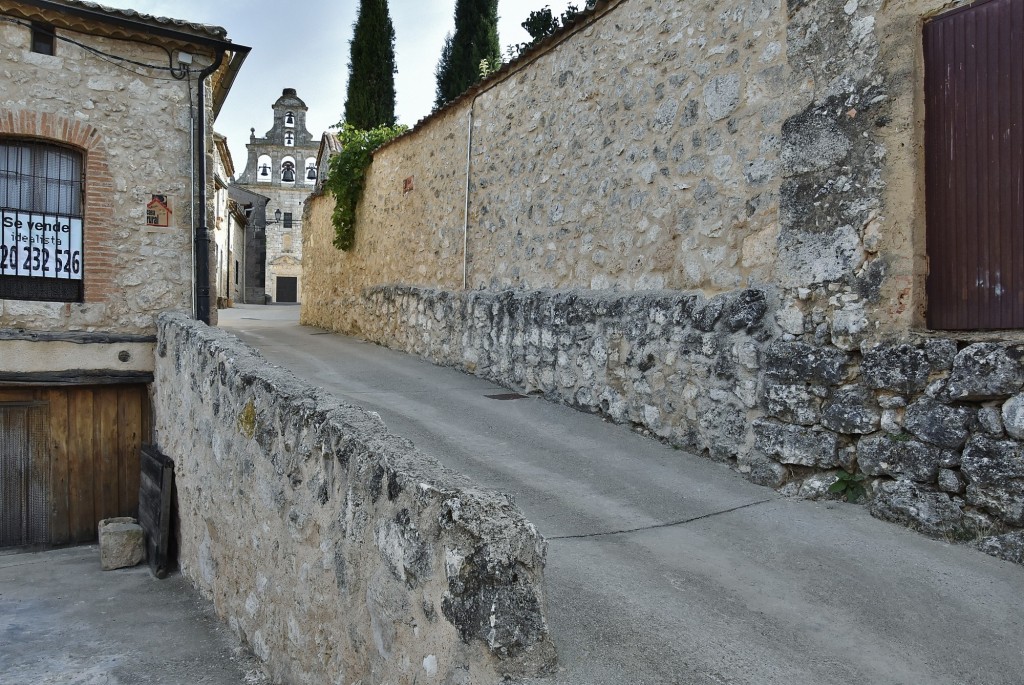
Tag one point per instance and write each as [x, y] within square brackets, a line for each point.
[97, 178]
[252, 272]
[231, 223]
[282, 166]
[714, 222]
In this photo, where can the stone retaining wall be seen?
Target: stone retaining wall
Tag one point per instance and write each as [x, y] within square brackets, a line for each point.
[336, 551]
[712, 217]
[934, 425]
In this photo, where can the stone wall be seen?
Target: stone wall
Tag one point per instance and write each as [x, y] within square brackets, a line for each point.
[414, 238]
[934, 427]
[134, 133]
[335, 550]
[655, 166]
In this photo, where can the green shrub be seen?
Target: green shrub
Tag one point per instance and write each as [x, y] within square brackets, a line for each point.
[346, 175]
[849, 485]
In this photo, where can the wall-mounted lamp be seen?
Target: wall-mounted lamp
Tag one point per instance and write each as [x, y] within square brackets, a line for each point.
[277, 219]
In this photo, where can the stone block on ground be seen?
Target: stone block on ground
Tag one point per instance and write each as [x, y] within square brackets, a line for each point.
[122, 543]
[1009, 547]
[926, 511]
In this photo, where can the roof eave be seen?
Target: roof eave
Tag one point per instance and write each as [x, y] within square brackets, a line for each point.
[129, 23]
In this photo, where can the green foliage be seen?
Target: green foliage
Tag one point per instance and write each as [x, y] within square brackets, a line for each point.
[541, 24]
[849, 485]
[475, 39]
[347, 175]
[489, 66]
[370, 101]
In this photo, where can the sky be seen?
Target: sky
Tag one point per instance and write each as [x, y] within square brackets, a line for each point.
[305, 45]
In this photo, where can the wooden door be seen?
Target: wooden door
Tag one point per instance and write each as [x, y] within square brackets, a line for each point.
[974, 149]
[287, 289]
[24, 474]
[84, 456]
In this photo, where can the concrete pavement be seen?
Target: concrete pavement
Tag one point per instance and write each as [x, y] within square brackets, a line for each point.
[667, 568]
[63, 621]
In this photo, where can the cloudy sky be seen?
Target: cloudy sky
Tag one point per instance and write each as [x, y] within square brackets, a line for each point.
[304, 45]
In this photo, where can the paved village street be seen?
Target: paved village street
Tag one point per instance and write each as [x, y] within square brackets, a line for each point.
[667, 568]
[63, 621]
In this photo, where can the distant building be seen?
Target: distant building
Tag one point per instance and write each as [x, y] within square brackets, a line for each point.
[282, 167]
[253, 266]
[228, 229]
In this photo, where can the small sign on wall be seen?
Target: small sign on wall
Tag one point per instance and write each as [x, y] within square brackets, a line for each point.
[158, 211]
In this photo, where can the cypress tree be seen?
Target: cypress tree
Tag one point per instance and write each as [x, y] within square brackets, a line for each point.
[475, 39]
[370, 101]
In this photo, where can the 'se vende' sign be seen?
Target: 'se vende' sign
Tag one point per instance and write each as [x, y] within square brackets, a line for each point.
[40, 245]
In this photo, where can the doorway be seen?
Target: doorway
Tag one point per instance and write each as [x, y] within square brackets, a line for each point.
[287, 289]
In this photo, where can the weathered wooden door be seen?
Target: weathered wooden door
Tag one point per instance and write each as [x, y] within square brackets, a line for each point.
[69, 457]
[974, 147]
[24, 474]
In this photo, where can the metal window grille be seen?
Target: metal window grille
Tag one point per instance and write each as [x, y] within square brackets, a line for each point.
[42, 179]
[35, 177]
[24, 475]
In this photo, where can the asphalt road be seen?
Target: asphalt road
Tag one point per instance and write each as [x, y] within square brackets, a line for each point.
[667, 568]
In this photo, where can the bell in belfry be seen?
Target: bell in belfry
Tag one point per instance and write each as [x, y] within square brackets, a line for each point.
[288, 173]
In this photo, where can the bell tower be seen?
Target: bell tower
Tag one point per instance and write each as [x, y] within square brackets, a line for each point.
[281, 166]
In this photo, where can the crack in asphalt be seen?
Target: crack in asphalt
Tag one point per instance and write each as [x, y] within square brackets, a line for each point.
[661, 525]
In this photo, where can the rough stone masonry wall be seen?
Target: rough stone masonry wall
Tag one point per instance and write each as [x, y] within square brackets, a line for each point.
[669, 164]
[413, 238]
[134, 132]
[336, 551]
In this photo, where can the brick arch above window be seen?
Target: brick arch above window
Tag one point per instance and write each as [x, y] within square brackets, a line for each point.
[99, 186]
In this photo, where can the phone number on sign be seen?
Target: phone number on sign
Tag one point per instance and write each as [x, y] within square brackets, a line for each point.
[36, 260]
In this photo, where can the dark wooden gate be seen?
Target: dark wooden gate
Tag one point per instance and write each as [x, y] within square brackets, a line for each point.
[974, 148]
[287, 289]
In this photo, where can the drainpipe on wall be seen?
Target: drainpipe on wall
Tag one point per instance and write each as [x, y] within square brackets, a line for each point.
[202, 231]
[465, 226]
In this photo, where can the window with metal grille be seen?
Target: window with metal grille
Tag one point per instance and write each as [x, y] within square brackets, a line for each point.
[41, 252]
[287, 220]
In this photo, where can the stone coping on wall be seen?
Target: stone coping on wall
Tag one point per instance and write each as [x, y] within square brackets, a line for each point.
[334, 549]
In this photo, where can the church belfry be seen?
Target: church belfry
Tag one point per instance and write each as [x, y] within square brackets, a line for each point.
[281, 166]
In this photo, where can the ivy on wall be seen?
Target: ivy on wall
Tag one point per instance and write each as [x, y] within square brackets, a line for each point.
[346, 175]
